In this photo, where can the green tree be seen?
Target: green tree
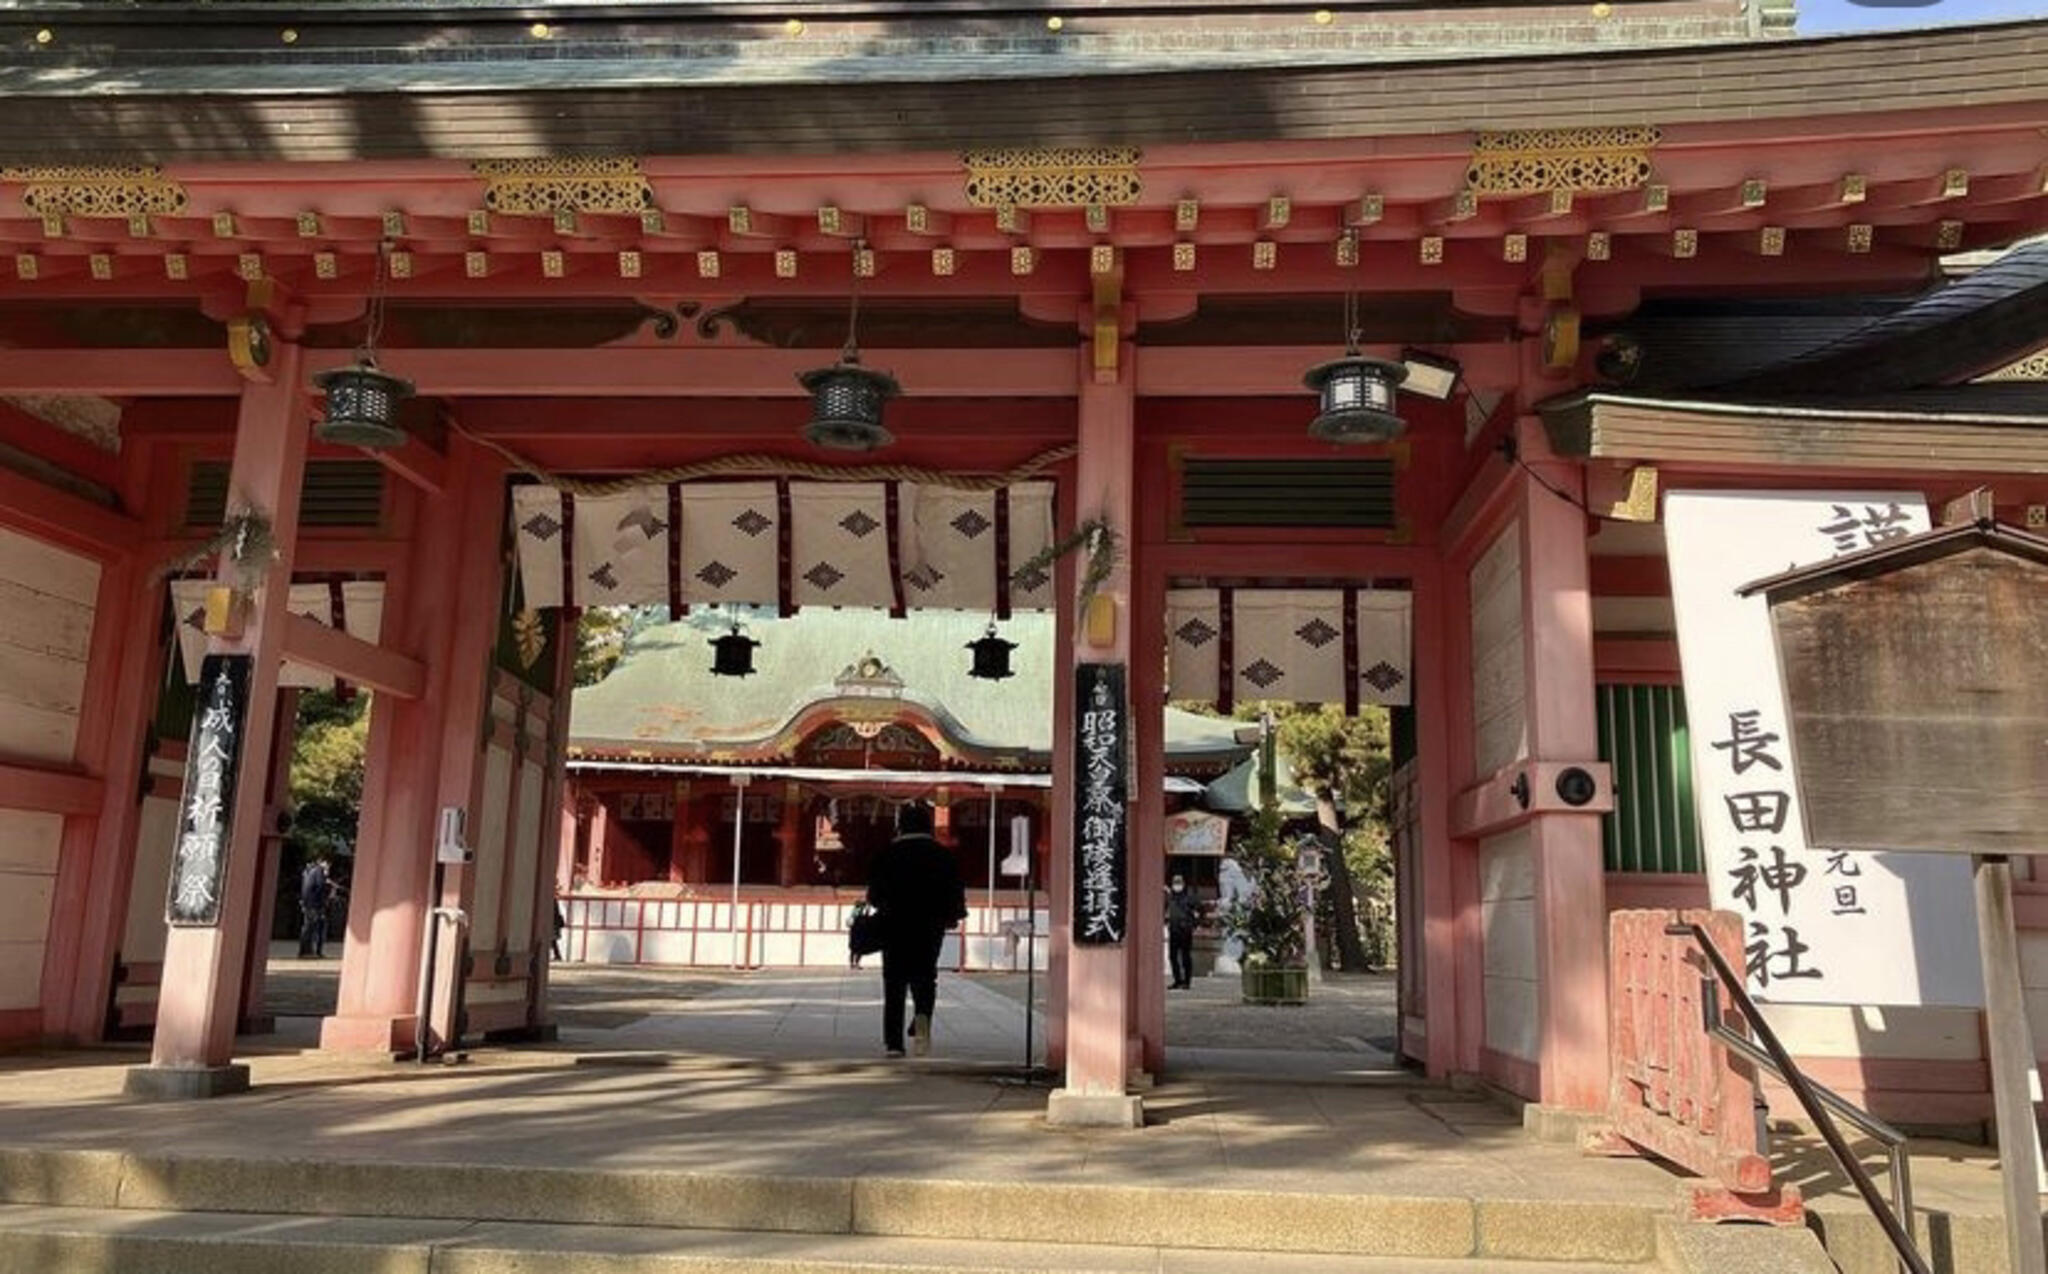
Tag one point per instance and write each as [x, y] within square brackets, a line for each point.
[1346, 763]
[327, 771]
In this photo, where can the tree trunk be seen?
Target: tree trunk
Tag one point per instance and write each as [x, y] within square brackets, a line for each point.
[1342, 900]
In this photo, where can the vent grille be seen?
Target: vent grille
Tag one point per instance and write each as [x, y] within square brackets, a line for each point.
[337, 493]
[1302, 493]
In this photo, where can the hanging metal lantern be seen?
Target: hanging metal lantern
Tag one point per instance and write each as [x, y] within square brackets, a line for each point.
[362, 406]
[991, 656]
[733, 654]
[1357, 396]
[846, 405]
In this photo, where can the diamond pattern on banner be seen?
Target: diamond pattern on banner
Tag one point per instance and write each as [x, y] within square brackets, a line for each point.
[622, 548]
[952, 544]
[362, 603]
[1386, 659]
[839, 557]
[1031, 533]
[729, 544]
[1288, 645]
[1194, 626]
[537, 521]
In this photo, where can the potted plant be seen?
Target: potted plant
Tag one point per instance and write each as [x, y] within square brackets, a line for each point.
[1267, 917]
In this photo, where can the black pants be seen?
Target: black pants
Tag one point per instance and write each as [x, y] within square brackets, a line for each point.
[1180, 955]
[909, 963]
[312, 930]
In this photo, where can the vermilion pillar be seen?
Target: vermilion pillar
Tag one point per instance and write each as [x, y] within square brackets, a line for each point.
[1571, 897]
[476, 604]
[789, 855]
[394, 843]
[1098, 1002]
[199, 1004]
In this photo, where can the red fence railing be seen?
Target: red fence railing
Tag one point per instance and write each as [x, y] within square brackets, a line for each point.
[1676, 1092]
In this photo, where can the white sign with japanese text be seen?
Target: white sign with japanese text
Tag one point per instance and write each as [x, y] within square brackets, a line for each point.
[1822, 926]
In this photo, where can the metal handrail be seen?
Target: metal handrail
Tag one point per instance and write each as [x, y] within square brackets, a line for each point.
[1814, 1099]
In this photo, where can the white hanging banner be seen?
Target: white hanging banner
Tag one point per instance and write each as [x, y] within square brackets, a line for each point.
[1338, 646]
[889, 545]
[360, 602]
[1386, 654]
[1821, 926]
[731, 544]
[621, 547]
[840, 544]
[1194, 634]
[1289, 645]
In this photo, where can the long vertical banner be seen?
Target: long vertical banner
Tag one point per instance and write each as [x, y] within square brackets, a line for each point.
[1821, 926]
[1102, 732]
[206, 814]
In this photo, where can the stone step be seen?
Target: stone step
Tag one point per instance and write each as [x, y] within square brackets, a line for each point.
[1104, 1215]
[54, 1240]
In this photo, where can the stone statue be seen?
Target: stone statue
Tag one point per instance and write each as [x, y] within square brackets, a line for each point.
[1233, 888]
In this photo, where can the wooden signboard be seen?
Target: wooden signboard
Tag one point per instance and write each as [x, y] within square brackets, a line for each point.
[1102, 733]
[1918, 697]
[206, 815]
[1914, 674]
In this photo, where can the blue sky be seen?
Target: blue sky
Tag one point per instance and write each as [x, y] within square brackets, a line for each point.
[1824, 17]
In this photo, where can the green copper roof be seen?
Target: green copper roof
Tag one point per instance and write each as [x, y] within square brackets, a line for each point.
[662, 698]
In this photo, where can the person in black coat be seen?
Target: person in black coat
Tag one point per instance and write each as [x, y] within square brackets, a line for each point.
[914, 886]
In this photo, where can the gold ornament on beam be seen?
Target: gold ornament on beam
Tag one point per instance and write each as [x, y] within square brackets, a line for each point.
[96, 191]
[1055, 177]
[544, 187]
[1537, 160]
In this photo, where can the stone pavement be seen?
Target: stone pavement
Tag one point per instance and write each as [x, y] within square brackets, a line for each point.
[779, 1077]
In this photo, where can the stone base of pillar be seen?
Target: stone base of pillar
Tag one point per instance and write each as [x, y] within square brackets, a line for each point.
[186, 1083]
[368, 1033]
[1066, 1108]
[1560, 1125]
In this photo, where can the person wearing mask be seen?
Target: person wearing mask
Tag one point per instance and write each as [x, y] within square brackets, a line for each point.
[914, 886]
[1183, 912]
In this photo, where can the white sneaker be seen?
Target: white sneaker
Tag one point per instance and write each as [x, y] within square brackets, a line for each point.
[921, 1035]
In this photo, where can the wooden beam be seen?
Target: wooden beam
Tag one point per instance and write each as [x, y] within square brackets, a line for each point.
[29, 787]
[131, 373]
[1263, 370]
[64, 518]
[416, 462]
[352, 659]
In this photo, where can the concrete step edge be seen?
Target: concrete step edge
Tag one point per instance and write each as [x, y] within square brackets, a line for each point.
[1105, 1215]
[60, 1240]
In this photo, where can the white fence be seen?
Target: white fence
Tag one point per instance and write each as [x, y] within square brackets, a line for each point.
[771, 933]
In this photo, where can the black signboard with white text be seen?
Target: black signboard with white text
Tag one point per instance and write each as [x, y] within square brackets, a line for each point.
[206, 815]
[1102, 732]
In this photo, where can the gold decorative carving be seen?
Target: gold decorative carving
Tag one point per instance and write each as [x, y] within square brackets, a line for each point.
[1536, 160]
[1060, 177]
[543, 187]
[2033, 367]
[94, 191]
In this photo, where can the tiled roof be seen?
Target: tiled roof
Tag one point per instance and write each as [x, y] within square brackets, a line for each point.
[468, 102]
[662, 698]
